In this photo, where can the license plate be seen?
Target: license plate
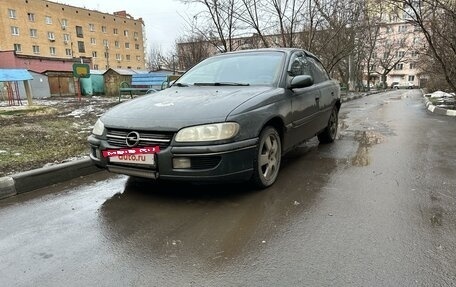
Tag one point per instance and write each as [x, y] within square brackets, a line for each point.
[140, 159]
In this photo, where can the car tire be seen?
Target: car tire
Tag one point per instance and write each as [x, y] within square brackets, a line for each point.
[328, 135]
[266, 164]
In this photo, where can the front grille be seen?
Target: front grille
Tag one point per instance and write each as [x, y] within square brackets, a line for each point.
[118, 138]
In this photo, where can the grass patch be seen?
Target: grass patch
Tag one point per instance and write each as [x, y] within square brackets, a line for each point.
[32, 145]
[28, 111]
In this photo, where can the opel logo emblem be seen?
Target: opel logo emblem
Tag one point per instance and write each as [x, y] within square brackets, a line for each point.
[132, 139]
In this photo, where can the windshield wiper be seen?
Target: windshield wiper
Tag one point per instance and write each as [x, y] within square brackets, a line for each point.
[180, 85]
[222, 84]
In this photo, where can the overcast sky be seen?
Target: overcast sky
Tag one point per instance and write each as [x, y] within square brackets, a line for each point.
[164, 19]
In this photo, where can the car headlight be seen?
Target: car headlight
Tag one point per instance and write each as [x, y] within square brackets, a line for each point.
[210, 132]
[98, 128]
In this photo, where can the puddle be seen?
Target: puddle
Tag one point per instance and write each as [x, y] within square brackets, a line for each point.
[436, 219]
[366, 139]
[343, 125]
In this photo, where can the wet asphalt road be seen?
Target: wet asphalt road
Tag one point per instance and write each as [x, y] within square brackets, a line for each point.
[377, 208]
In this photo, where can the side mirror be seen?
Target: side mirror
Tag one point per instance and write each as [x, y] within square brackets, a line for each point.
[301, 81]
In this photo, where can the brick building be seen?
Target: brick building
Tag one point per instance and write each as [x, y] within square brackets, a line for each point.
[58, 34]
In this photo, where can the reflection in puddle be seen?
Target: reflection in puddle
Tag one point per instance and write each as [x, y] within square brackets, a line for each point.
[436, 219]
[366, 139]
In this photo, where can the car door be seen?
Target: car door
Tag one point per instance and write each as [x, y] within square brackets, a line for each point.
[304, 101]
[327, 89]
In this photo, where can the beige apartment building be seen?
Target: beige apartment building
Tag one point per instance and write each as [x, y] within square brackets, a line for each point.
[39, 28]
[398, 48]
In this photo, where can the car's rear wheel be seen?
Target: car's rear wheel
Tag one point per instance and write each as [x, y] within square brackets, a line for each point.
[328, 135]
[267, 162]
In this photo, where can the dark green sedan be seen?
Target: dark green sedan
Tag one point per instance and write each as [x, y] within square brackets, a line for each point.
[229, 118]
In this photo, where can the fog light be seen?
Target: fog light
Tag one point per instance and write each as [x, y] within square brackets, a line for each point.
[96, 153]
[181, 162]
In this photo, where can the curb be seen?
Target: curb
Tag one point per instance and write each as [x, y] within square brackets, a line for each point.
[34, 179]
[440, 111]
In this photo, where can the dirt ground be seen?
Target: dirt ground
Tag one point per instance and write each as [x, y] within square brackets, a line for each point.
[51, 131]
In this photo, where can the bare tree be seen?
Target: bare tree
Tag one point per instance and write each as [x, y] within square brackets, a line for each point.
[372, 16]
[392, 57]
[288, 14]
[251, 17]
[191, 50]
[154, 58]
[220, 24]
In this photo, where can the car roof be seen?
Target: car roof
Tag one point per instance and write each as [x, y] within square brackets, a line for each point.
[285, 50]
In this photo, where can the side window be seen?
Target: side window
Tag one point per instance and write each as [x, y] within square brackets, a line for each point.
[299, 65]
[318, 71]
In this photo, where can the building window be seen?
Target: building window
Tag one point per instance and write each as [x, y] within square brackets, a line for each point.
[33, 33]
[31, 17]
[412, 66]
[93, 41]
[81, 47]
[68, 52]
[116, 44]
[126, 33]
[12, 13]
[52, 51]
[94, 54]
[128, 57]
[400, 54]
[51, 36]
[48, 20]
[127, 45]
[137, 46]
[411, 78]
[115, 31]
[399, 66]
[79, 33]
[105, 43]
[135, 34]
[138, 58]
[103, 29]
[91, 27]
[36, 49]
[17, 48]
[402, 28]
[64, 23]
[106, 55]
[95, 66]
[118, 57]
[66, 38]
[14, 30]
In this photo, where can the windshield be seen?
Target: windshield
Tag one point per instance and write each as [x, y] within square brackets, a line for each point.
[236, 70]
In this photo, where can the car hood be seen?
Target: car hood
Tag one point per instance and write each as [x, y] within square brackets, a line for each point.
[174, 108]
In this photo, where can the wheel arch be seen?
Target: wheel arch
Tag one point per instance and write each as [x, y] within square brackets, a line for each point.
[278, 124]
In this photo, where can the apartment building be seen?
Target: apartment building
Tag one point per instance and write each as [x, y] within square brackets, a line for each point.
[397, 49]
[40, 29]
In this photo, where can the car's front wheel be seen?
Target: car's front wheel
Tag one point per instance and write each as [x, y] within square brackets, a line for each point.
[267, 162]
[328, 135]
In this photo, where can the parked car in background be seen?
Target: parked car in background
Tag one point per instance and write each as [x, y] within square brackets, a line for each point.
[393, 84]
[407, 85]
[231, 117]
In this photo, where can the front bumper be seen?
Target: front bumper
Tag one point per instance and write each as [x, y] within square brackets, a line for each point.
[225, 162]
